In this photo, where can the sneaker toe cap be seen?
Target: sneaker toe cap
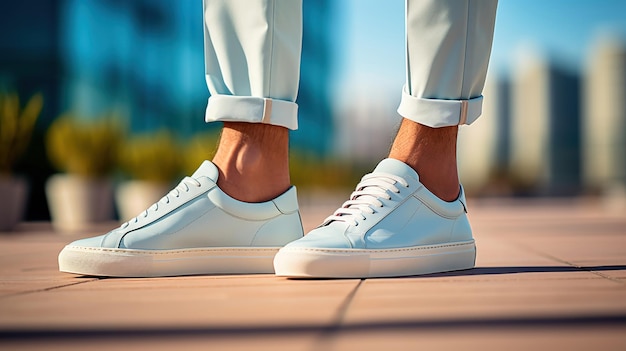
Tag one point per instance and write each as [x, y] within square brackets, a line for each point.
[95, 241]
[330, 237]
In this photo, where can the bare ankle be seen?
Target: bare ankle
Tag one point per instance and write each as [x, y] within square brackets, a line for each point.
[431, 152]
[253, 161]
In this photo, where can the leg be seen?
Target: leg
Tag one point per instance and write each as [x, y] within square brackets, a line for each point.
[253, 80]
[431, 152]
[448, 47]
[408, 216]
[253, 161]
[233, 215]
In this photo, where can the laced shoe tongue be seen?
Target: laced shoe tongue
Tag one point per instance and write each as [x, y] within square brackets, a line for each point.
[206, 169]
[395, 167]
[372, 188]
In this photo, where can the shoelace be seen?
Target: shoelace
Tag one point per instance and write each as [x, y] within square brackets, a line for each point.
[183, 186]
[366, 197]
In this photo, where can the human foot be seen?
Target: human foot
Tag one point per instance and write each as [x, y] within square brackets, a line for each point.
[391, 226]
[195, 229]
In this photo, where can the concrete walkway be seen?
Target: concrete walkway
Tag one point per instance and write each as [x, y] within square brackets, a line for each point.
[551, 274]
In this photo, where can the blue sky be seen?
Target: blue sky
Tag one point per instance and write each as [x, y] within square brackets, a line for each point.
[372, 46]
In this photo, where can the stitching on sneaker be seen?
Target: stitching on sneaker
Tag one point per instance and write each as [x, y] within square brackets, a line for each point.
[420, 248]
[170, 252]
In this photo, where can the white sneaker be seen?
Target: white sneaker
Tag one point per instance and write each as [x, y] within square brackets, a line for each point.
[391, 226]
[195, 229]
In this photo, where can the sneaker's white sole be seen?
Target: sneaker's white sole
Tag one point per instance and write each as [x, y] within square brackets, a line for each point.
[159, 263]
[299, 262]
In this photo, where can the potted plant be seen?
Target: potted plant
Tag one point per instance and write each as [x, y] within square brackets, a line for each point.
[152, 161]
[16, 127]
[86, 151]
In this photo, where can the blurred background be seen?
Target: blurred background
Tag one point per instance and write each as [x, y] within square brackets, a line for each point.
[115, 89]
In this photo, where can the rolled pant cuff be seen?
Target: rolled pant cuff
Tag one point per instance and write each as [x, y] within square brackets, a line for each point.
[229, 108]
[438, 113]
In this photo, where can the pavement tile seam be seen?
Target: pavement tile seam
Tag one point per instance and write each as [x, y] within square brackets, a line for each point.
[596, 320]
[582, 268]
[345, 305]
[461, 279]
[600, 274]
[333, 330]
[47, 289]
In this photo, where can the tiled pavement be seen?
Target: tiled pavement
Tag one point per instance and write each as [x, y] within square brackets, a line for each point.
[551, 274]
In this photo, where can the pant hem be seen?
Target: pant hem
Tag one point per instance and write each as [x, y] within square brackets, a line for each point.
[229, 108]
[439, 113]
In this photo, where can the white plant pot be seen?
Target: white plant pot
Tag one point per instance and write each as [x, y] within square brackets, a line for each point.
[135, 196]
[77, 203]
[13, 193]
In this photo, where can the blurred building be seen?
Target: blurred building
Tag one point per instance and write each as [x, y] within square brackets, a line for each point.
[604, 123]
[554, 131]
[545, 134]
[315, 118]
[30, 52]
[483, 147]
[366, 125]
[141, 59]
[144, 58]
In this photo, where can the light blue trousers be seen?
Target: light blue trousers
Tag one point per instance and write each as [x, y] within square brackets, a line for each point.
[253, 47]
